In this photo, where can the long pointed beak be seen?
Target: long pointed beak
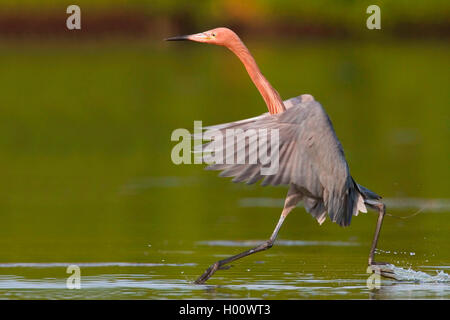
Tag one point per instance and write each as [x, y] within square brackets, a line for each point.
[198, 37]
[178, 38]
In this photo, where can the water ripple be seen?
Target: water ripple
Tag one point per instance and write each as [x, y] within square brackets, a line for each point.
[90, 264]
[287, 243]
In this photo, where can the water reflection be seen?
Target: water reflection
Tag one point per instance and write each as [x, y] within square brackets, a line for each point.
[135, 285]
[122, 280]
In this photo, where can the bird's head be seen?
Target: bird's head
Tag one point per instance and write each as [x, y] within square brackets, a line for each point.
[217, 36]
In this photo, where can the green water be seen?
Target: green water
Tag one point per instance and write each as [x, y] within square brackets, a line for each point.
[87, 178]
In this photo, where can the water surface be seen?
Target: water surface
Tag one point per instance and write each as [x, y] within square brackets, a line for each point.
[87, 178]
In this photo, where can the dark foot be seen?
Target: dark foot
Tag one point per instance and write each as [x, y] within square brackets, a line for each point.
[222, 264]
[383, 269]
[207, 274]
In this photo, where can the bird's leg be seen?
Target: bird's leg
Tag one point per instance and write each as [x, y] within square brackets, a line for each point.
[381, 268]
[381, 208]
[291, 202]
[221, 263]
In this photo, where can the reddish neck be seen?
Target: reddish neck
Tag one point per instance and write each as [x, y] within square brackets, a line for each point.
[269, 94]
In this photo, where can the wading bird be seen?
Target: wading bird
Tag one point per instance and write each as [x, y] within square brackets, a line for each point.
[311, 158]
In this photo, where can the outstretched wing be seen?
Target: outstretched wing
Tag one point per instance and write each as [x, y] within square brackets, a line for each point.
[310, 156]
[307, 146]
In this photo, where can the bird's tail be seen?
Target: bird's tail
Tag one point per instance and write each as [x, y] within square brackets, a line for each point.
[341, 208]
[366, 193]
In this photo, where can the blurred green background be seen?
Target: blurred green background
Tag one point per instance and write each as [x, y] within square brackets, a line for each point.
[86, 118]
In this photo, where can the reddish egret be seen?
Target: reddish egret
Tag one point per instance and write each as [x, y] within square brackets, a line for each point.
[311, 158]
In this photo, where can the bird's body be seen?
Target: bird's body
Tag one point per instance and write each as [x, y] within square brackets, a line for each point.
[311, 158]
[311, 161]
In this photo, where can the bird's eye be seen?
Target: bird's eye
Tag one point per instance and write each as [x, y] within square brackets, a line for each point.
[213, 34]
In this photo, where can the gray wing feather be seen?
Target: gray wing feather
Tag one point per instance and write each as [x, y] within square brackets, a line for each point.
[310, 157]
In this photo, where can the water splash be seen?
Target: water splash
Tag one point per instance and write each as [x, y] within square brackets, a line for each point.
[401, 274]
